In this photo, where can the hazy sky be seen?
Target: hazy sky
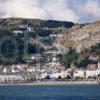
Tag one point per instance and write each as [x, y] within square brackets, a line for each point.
[68, 10]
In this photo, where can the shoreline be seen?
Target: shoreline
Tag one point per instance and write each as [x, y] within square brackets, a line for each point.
[53, 83]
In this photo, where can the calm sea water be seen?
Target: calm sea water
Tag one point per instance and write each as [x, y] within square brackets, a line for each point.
[63, 92]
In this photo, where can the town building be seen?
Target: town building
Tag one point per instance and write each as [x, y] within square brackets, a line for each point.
[10, 78]
[31, 69]
[91, 73]
[30, 29]
[22, 66]
[6, 70]
[15, 70]
[17, 31]
[94, 57]
[98, 65]
[79, 73]
[92, 66]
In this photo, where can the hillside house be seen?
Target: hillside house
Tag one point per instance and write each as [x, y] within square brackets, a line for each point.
[23, 26]
[56, 35]
[92, 66]
[15, 70]
[22, 67]
[94, 56]
[7, 70]
[31, 69]
[17, 31]
[55, 50]
[26, 27]
[36, 57]
[98, 65]
[30, 29]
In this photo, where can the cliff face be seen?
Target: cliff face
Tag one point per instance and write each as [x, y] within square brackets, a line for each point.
[80, 38]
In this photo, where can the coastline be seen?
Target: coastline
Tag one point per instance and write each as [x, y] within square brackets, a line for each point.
[54, 83]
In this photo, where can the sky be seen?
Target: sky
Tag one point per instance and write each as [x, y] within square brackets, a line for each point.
[78, 11]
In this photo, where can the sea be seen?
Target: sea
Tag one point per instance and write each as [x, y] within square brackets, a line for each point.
[50, 92]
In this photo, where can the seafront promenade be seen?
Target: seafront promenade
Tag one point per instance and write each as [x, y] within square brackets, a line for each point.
[56, 83]
[66, 83]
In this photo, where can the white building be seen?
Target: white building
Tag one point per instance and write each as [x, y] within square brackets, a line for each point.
[15, 70]
[63, 74]
[91, 73]
[87, 73]
[30, 29]
[35, 57]
[22, 66]
[54, 64]
[17, 31]
[43, 75]
[79, 73]
[54, 75]
[31, 69]
[98, 71]
[56, 35]
[6, 70]
[10, 78]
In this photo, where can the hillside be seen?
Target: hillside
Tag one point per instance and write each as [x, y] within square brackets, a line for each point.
[45, 36]
[15, 22]
[77, 36]
[81, 38]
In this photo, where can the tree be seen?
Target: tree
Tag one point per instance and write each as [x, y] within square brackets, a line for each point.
[79, 78]
[47, 77]
[68, 77]
[69, 57]
[59, 77]
[84, 62]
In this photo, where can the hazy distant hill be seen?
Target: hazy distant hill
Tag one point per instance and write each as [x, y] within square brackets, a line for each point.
[14, 22]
